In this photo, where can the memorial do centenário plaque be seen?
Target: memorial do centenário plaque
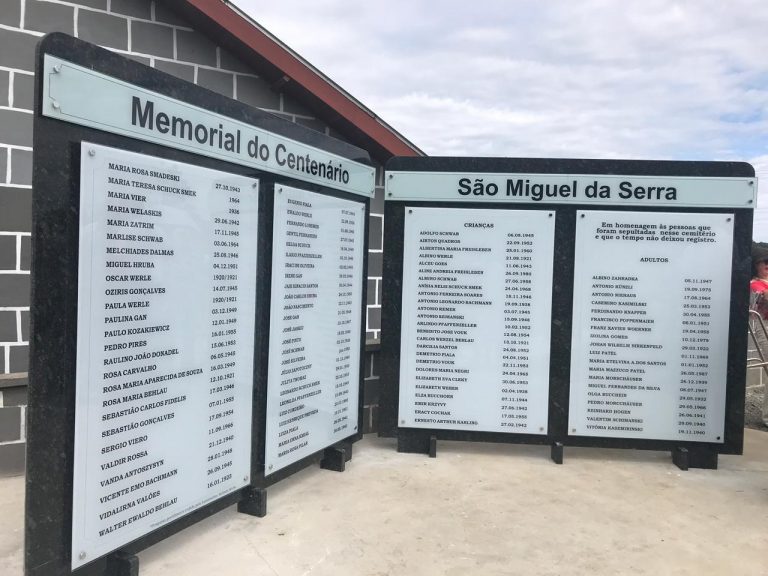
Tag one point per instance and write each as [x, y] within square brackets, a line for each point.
[650, 325]
[476, 316]
[166, 312]
[314, 347]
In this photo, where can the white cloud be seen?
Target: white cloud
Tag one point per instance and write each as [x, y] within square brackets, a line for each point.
[657, 79]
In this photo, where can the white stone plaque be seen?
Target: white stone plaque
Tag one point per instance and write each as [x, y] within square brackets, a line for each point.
[314, 344]
[476, 319]
[651, 308]
[166, 312]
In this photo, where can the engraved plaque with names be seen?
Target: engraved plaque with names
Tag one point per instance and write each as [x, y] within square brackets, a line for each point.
[314, 344]
[166, 312]
[476, 319]
[651, 308]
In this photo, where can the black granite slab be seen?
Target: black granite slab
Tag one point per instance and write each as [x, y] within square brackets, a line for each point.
[53, 322]
[411, 439]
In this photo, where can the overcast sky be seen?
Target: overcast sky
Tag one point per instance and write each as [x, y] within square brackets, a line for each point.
[650, 79]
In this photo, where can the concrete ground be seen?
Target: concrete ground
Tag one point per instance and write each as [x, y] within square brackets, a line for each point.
[477, 509]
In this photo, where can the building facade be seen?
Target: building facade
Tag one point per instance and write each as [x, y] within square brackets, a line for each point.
[209, 43]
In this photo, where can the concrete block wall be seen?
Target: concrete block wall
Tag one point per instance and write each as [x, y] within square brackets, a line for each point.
[146, 31]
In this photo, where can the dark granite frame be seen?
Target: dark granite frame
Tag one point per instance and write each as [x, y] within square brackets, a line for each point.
[420, 440]
[56, 201]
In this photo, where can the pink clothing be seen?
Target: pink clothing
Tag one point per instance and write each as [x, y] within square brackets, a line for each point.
[758, 285]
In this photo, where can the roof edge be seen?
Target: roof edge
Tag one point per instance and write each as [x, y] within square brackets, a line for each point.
[256, 39]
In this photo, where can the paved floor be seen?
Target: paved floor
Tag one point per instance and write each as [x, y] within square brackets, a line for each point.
[477, 509]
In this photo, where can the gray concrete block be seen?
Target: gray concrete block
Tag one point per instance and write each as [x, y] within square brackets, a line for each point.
[377, 202]
[104, 29]
[375, 231]
[7, 253]
[371, 292]
[14, 290]
[371, 420]
[136, 8]
[754, 377]
[12, 459]
[49, 17]
[149, 38]
[16, 215]
[312, 124]
[10, 424]
[183, 71]
[101, 4]
[374, 319]
[3, 164]
[194, 47]
[19, 358]
[17, 50]
[218, 81]
[10, 14]
[8, 326]
[25, 326]
[23, 91]
[15, 396]
[229, 61]
[257, 93]
[26, 253]
[4, 80]
[374, 264]
[165, 14]
[17, 127]
[292, 106]
[368, 366]
[21, 167]
[140, 59]
[371, 389]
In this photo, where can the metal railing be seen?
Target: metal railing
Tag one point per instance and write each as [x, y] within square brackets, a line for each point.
[759, 334]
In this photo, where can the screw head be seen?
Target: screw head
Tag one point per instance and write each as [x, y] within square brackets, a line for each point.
[550, 214]
[402, 421]
[749, 201]
[57, 69]
[389, 193]
[245, 478]
[410, 211]
[55, 105]
[573, 429]
[91, 152]
[82, 555]
[390, 176]
[581, 216]
[270, 466]
[727, 219]
[751, 182]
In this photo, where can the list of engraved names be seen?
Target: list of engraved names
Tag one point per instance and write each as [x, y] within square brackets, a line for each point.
[314, 349]
[650, 325]
[477, 298]
[166, 309]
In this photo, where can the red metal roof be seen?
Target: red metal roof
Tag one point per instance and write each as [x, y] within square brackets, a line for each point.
[235, 31]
